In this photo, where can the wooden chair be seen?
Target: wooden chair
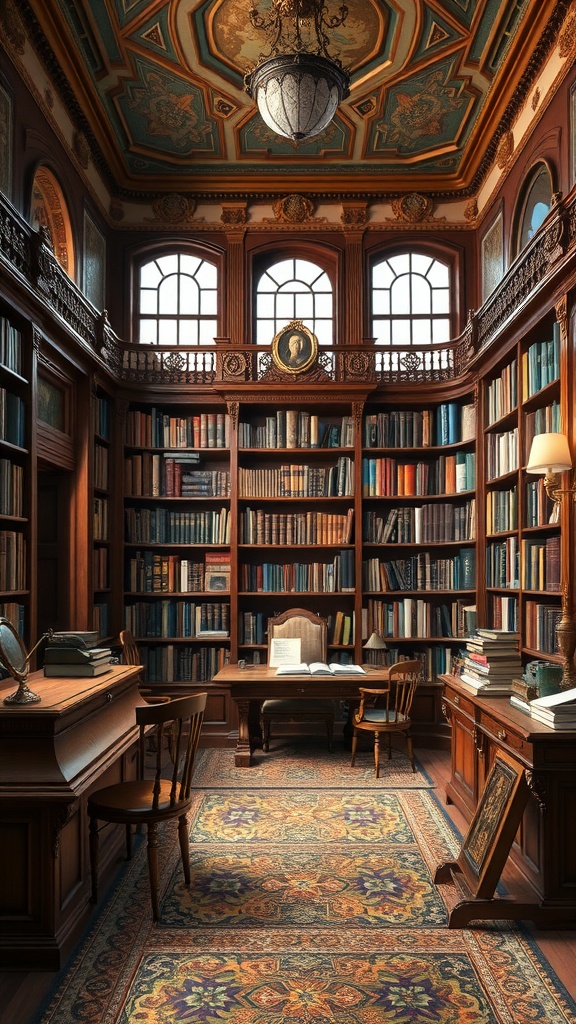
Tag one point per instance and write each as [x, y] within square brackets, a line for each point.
[150, 801]
[388, 710]
[311, 630]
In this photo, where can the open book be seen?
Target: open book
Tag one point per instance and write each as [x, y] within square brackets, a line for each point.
[320, 668]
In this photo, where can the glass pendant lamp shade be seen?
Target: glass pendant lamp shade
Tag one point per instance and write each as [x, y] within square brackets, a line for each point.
[297, 94]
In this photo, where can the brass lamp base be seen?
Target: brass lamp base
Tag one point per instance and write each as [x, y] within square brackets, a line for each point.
[23, 695]
[566, 636]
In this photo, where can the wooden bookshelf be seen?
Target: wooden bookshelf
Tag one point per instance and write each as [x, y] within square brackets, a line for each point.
[16, 484]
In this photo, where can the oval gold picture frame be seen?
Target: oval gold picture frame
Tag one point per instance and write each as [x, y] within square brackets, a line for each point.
[294, 348]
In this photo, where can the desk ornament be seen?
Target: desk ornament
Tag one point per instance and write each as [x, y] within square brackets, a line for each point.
[16, 661]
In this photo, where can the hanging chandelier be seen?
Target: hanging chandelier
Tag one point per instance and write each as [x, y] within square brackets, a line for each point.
[297, 85]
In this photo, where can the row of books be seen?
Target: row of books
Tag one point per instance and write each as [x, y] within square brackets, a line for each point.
[76, 654]
[100, 518]
[298, 481]
[100, 467]
[12, 418]
[539, 509]
[300, 577]
[153, 476]
[157, 429]
[12, 560]
[501, 453]
[557, 711]
[450, 423]
[101, 417]
[422, 524]
[540, 627]
[503, 563]
[260, 527]
[541, 364]
[491, 660]
[100, 577]
[502, 510]
[166, 526]
[421, 572]
[448, 474]
[541, 564]
[417, 618]
[180, 664]
[170, 617]
[10, 346]
[504, 612]
[341, 628]
[101, 617]
[541, 421]
[154, 573]
[297, 428]
[502, 393]
[11, 488]
[15, 613]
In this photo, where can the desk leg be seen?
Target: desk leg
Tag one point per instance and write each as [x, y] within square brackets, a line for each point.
[243, 749]
[249, 732]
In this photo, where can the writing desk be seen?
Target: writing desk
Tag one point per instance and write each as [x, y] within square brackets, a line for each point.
[251, 685]
[52, 755]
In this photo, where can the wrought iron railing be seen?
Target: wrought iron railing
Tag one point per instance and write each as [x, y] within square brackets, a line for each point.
[26, 257]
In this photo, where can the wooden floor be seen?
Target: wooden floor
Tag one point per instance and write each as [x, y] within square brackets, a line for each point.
[21, 994]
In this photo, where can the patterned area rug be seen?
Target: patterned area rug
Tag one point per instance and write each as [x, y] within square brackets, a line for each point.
[307, 765]
[306, 907]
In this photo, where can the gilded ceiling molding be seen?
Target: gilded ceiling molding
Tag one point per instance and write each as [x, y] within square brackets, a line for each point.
[174, 209]
[234, 214]
[567, 37]
[536, 99]
[414, 209]
[505, 150]
[116, 209]
[294, 209]
[354, 215]
[471, 211]
[81, 148]
[13, 26]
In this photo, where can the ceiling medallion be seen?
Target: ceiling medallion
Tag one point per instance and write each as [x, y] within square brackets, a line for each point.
[297, 85]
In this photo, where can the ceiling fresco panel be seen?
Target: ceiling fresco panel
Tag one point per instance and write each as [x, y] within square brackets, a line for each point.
[157, 88]
[427, 112]
[163, 114]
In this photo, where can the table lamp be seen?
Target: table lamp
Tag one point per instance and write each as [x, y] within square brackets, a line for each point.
[375, 648]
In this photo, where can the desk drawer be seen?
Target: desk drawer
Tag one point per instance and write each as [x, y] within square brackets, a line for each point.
[459, 701]
[502, 734]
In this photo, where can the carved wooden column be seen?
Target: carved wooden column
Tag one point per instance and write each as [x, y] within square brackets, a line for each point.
[235, 215]
[354, 218]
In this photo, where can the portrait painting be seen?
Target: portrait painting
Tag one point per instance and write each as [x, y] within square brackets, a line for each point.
[294, 348]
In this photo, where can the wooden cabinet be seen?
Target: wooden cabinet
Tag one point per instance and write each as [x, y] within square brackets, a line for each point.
[545, 842]
[52, 755]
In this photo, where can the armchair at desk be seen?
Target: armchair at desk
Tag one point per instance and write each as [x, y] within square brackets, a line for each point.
[311, 630]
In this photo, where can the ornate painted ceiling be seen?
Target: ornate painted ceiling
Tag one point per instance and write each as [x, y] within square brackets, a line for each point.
[156, 86]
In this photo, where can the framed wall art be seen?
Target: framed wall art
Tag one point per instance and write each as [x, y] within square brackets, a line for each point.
[492, 257]
[294, 348]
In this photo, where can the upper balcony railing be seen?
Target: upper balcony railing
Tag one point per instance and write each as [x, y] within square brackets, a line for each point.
[28, 262]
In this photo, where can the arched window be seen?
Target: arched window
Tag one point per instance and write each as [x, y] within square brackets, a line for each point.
[178, 301]
[50, 212]
[410, 300]
[294, 289]
[534, 206]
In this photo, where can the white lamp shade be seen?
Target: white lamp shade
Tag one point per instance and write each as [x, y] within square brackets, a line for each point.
[375, 643]
[549, 452]
[297, 94]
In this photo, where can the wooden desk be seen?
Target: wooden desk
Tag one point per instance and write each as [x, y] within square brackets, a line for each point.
[52, 754]
[546, 840]
[256, 683]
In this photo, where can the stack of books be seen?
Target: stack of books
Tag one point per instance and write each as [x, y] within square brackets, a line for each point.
[76, 654]
[557, 710]
[492, 661]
